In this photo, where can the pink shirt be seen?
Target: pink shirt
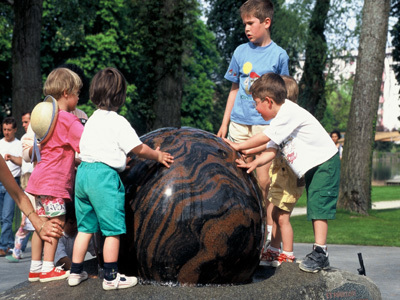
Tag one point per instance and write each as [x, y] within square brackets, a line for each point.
[54, 175]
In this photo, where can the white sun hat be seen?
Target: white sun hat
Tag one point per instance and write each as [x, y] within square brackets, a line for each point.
[44, 118]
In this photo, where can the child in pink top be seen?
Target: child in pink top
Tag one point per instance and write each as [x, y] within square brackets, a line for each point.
[52, 180]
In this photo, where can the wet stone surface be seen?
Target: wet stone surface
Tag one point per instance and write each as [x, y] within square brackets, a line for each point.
[198, 222]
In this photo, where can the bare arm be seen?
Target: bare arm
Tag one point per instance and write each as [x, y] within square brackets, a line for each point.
[261, 160]
[15, 159]
[145, 151]
[46, 230]
[255, 141]
[223, 130]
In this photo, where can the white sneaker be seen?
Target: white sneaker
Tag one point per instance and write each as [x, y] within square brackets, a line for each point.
[75, 279]
[121, 282]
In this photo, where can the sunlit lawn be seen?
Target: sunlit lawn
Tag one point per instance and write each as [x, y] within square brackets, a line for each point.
[380, 228]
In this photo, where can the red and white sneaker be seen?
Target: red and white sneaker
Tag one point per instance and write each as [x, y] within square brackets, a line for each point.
[268, 257]
[56, 273]
[33, 276]
[283, 258]
[120, 282]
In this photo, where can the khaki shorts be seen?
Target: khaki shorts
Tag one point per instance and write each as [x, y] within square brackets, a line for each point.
[239, 133]
[285, 188]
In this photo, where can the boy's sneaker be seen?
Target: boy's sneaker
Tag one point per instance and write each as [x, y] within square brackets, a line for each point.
[75, 279]
[12, 259]
[121, 282]
[34, 276]
[283, 258]
[56, 273]
[315, 261]
[268, 257]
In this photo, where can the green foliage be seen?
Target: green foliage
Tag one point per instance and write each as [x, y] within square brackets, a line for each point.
[6, 28]
[312, 83]
[200, 63]
[338, 97]
[395, 32]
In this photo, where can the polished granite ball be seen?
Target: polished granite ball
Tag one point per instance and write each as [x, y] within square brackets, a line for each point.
[198, 222]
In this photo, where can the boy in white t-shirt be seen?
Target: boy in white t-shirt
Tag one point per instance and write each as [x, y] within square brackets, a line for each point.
[99, 192]
[309, 151]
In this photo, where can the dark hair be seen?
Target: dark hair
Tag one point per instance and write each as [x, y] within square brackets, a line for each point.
[108, 89]
[269, 85]
[338, 133]
[10, 120]
[261, 9]
[25, 113]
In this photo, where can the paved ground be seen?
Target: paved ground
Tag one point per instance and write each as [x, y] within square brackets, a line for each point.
[382, 264]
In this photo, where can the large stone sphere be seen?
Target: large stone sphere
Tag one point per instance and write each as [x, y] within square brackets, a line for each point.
[198, 222]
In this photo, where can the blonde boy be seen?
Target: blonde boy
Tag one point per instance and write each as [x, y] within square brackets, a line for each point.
[52, 180]
[249, 61]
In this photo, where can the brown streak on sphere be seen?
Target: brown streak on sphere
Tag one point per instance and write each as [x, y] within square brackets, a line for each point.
[198, 222]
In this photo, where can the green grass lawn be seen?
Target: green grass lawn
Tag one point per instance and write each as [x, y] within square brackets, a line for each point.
[379, 228]
[378, 193]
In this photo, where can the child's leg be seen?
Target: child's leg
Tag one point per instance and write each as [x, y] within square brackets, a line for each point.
[49, 249]
[264, 182]
[81, 245]
[111, 249]
[36, 262]
[286, 230]
[320, 228]
[276, 237]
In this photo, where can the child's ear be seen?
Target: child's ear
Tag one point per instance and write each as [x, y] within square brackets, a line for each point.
[267, 23]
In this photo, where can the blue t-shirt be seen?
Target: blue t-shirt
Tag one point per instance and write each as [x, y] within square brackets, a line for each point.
[248, 63]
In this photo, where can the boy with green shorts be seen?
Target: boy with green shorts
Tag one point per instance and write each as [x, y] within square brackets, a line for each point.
[308, 150]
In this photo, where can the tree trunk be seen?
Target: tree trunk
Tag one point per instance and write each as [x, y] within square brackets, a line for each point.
[355, 184]
[168, 71]
[312, 83]
[27, 81]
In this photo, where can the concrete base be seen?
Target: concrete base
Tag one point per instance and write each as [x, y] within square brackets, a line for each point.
[285, 282]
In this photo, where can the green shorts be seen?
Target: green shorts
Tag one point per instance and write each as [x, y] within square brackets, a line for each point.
[99, 199]
[322, 186]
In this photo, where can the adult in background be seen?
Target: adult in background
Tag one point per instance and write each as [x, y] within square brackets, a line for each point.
[11, 150]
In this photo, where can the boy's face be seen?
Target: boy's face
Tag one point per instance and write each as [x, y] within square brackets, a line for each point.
[73, 101]
[256, 31]
[264, 108]
[26, 119]
[9, 132]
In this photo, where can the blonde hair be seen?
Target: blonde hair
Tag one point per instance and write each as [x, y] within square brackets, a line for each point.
[62, 80]
[291, 87]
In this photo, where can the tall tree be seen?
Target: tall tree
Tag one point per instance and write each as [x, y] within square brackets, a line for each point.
[26, 76]
[355, 184]
[312, 83]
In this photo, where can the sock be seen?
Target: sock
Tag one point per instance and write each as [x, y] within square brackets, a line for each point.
[47, 266]
[110, 271]
[287, 253]
[324, 247]
[36, 266]
[269, 228]
[273, 249]
[77, 268]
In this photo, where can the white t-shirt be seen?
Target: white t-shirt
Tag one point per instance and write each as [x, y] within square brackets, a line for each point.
[301, 138]
[107, 138]
[13, 148]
